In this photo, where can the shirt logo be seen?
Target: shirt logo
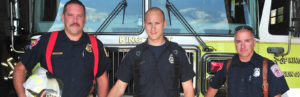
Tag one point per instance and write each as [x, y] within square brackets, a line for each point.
[88, 48]
[276, 70]
[256, 72]
[171, 59]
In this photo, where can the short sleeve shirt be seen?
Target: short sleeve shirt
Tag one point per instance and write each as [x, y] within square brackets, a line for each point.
[72, 62]
[156, 77]
[245, 78]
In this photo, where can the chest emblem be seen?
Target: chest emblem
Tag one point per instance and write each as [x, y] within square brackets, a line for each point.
[88, 48]
[256, 72]
[171, 59]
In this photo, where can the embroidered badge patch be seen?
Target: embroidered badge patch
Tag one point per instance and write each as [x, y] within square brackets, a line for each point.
[276, 70]
[88, 48]
[171, 59]
[33, 43]
[256, 72]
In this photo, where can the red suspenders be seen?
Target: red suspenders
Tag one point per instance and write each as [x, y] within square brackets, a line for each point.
[51, 44]
[96, 55]
[265, 76]
[49, 50]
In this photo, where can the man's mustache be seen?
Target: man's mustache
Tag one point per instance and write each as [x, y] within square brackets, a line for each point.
[75, 24]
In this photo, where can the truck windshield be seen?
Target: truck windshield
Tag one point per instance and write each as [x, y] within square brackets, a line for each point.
[97, 11]
[209, 17]
[205, 17]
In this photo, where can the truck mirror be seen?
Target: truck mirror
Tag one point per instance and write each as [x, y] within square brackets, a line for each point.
[275, 50]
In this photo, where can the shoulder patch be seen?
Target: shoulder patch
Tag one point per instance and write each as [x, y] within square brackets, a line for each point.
[33, 43]
[276, 70]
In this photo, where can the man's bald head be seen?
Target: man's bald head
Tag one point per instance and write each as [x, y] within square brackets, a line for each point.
[155, 9]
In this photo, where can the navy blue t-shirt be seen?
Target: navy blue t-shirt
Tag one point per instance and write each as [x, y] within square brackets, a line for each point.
[157, 50]
[71, 61]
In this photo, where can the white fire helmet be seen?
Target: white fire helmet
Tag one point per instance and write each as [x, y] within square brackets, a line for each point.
[42, 84]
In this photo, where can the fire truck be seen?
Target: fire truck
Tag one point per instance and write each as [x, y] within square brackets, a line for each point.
[204, 28]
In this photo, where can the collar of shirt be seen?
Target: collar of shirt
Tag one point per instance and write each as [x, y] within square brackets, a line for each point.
[166, 43]
[83, 39]
[256, 59]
